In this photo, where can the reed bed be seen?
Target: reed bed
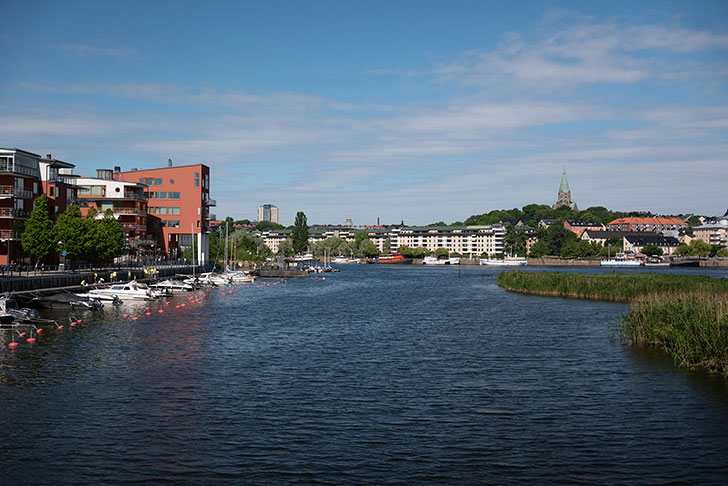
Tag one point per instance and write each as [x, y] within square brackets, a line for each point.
[685, 315]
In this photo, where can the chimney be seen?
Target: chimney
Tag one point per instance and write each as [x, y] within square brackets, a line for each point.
[49, 157]
[377, 220]
[169, 162]
[117, 168]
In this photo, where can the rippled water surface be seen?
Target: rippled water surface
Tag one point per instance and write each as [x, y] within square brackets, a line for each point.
[410, 375]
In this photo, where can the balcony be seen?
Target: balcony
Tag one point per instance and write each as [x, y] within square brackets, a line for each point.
[133, 227]
[210, 202]
[212, 217]
[14, 213]
[11, 191]
[9, 235]
[129, 211]
[14, 168]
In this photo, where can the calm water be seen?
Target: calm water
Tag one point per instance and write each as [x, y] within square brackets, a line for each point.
[376, 375]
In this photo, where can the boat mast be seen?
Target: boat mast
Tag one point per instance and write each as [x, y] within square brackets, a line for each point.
[192, 229]
[227, 235]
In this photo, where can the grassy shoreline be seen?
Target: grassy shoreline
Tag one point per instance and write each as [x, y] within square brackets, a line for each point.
[685, 315]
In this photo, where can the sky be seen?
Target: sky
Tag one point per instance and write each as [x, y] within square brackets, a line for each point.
[414, 111]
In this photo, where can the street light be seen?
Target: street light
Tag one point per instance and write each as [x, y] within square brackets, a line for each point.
[63, 253]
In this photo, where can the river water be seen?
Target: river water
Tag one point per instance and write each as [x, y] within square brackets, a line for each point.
[376, 375]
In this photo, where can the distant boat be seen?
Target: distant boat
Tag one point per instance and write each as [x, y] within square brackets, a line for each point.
[508, 261]
[433, 260]
[622, 261]
[344, 260]
[394, 258]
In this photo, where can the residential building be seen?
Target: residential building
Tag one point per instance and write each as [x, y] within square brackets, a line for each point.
[178, 207]
[127, 202]
[579, 226]
[563, 197]
[654, 225]
[636, 243]
[59, 183]
[602, 237]
[714, 233]
[20, 184]
[268, 212]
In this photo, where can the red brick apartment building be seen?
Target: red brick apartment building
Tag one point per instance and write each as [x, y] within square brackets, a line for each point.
[178, 206]
[654, 225]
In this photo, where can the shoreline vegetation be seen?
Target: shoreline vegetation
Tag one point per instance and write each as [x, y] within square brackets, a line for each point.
[685, 315]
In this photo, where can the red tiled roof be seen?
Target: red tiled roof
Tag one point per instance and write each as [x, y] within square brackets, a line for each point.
[647, 221]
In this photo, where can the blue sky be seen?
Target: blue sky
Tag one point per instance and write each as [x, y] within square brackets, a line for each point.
[410, 111]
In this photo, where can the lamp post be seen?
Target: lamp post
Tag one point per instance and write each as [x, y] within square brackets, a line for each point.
[63, 253]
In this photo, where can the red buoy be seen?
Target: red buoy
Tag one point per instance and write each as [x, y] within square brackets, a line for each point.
[177, 306]
[39, 331]
[22, 334]
[60, 327]
[31, 340]
[147, 313]
[126, 315]
[161, 311]
[182, 305]
[13, 344]
[134, 318]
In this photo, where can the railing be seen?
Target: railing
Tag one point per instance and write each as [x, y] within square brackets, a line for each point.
[19, 169]
[14, 213]
[210, 202]
[133, 227]
[131, 195]
[133, 211]
[15, 191]
[9, 235]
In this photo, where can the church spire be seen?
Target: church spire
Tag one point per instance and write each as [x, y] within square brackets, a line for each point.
[564, 187]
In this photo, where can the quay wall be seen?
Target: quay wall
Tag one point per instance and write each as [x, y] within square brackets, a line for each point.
[59, 280]
[715, 263]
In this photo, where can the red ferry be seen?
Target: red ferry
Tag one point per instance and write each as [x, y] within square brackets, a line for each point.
[394, 258]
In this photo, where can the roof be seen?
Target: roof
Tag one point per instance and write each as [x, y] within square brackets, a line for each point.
[564, 187]
[583, 222]
[605, 235]
[651, 239]
[647, 221]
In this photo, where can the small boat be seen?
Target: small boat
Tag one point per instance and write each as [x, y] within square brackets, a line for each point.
[127, 291]
[433, 260]
[172, 286]
[61, 300]
[344, 260]
[392, 259]
[622, 261]
[508, 261]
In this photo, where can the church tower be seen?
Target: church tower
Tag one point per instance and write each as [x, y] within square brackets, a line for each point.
[564, 197]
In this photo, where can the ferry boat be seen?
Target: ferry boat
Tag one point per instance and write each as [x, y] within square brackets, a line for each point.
[394, 258]
[622, 261]
[508, 261]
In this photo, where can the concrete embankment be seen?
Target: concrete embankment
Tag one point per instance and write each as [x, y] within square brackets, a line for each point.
[61, 280]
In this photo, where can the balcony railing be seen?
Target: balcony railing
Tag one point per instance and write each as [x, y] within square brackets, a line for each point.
[19, 169]
[131, 195]
[132, 211]
[210, 202]
[14, 213]
[133, 227]
[9, 235]
[11, 191]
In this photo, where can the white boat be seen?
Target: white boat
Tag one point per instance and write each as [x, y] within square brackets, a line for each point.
[433, 260]
[235, 276]
[126, 291]
[620, 260]
[344, 260]
[104, 299]
[209, 279]
[172, 286]
[508, 261]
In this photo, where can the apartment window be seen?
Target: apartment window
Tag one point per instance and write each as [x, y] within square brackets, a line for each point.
[197, 179]
[173, 195]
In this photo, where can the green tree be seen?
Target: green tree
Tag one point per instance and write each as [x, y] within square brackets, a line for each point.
[285, 248]
[70, 229]
[360, 236]
[39, 238]
[369, 249]
[108, 237]
[299, 235]
[652, 250]
[265, 225]
[539, 249]
[722, 252]
[387, 247]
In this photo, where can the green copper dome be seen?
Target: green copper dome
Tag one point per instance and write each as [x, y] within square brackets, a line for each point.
[564, 183]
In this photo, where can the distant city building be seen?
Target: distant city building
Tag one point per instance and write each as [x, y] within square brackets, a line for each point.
[714, 233]
[580, 226]
[564, 196]
[654, 225]
[635, 243]
[268, 212]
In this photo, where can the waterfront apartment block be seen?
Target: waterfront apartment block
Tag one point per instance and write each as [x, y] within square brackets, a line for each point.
[654, 225]
[268, 212]
[635, 243]
[127, 202]
[465, 240]
[59, 183]
[714, 233]
[178, 207]
[20, 184]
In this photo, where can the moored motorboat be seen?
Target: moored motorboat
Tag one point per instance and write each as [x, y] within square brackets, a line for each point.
[392, 259]
[508, 261]
[126, 291]
[622, 261]
[171, 286]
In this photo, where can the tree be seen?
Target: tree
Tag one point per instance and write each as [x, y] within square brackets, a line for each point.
[285, 248]
[442, 252]
[299, 235]
[70, 229]
[722, 252]
[39, 238]
[539, 249]
[108, 237]
[652, 250]
[369, 249]
[265, 225]
[387, 247]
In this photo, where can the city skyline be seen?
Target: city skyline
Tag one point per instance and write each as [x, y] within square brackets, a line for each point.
[416, 111]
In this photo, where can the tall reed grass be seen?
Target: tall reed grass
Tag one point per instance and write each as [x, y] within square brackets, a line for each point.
[685, 315]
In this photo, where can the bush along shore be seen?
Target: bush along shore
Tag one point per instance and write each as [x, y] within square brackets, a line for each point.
[685, 315]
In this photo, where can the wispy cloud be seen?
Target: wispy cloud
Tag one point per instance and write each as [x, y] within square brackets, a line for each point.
[92, 50]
